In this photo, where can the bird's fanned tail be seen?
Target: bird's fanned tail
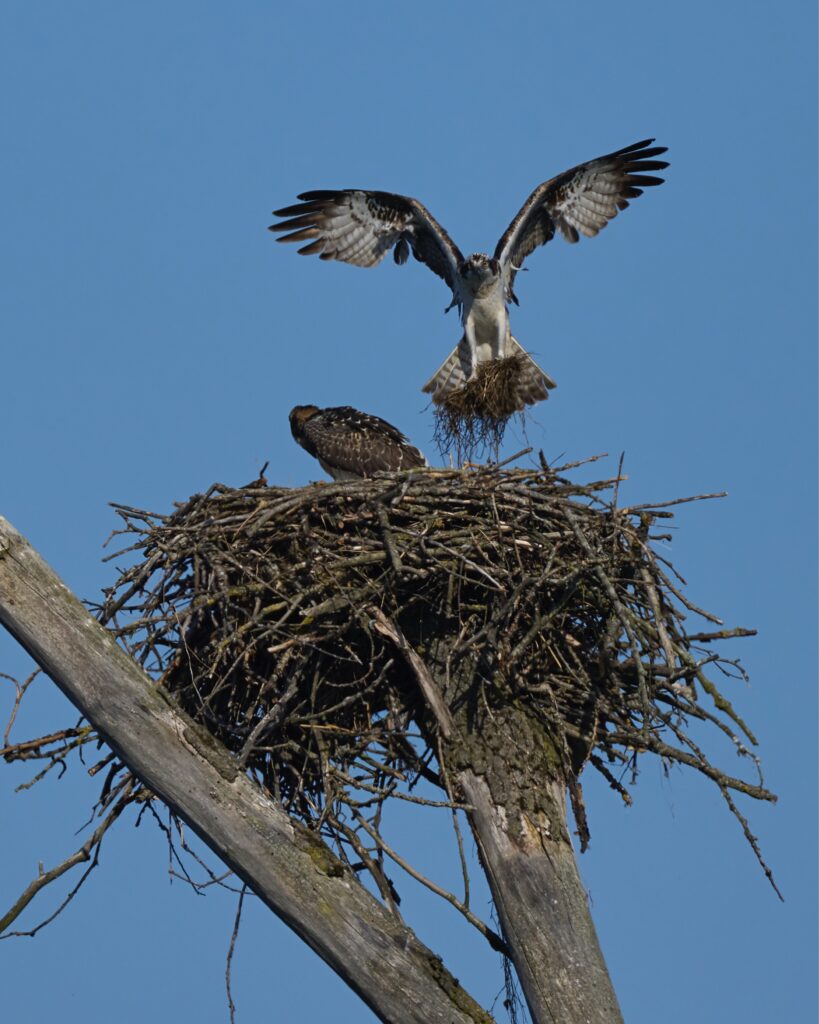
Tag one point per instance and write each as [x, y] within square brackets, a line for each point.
[532, 383]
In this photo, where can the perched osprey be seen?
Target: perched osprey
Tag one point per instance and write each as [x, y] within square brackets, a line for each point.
[350, 444]
[360, 227]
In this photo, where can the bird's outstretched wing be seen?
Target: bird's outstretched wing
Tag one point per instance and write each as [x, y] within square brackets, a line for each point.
[578, 202]
[360, 227]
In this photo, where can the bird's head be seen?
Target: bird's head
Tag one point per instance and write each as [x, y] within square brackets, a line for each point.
[299, 415]
[479, 270]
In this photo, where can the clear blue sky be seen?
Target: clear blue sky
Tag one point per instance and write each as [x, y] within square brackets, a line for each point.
[155, 338]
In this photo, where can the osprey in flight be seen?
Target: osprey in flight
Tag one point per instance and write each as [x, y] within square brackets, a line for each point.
[350, 444]
[360, 227]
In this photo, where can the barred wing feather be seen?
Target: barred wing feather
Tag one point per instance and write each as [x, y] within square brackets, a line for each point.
[578, 202]
[360, 227]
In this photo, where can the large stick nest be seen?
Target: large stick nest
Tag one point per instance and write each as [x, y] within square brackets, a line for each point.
[287, 622]
[256, 607]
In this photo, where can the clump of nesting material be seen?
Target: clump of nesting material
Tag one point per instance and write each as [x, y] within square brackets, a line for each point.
[473, 418]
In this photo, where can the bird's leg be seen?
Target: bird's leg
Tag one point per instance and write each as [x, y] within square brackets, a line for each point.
[472, 343]
[502, 334]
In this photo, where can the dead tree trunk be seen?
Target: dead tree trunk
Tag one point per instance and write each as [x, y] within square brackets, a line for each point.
[542, 905]
[507, 767]
[286, 865]
[510, 771]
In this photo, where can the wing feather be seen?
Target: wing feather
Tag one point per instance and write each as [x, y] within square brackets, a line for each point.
[578, 202]
[360, 227]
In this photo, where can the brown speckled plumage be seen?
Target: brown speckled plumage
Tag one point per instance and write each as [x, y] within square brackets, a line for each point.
[350, 444]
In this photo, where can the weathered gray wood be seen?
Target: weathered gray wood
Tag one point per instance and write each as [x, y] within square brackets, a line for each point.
[542, 907]
[508, 772]
[286, 866]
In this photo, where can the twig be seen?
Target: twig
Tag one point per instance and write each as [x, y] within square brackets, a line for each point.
[492, 937]
[229, 964]
[89, 849]
[427, 684]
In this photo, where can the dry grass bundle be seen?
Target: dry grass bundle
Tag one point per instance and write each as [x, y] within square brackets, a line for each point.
[473, 418]
[281, 619]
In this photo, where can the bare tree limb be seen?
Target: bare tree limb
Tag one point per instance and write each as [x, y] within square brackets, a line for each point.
[285, 864]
